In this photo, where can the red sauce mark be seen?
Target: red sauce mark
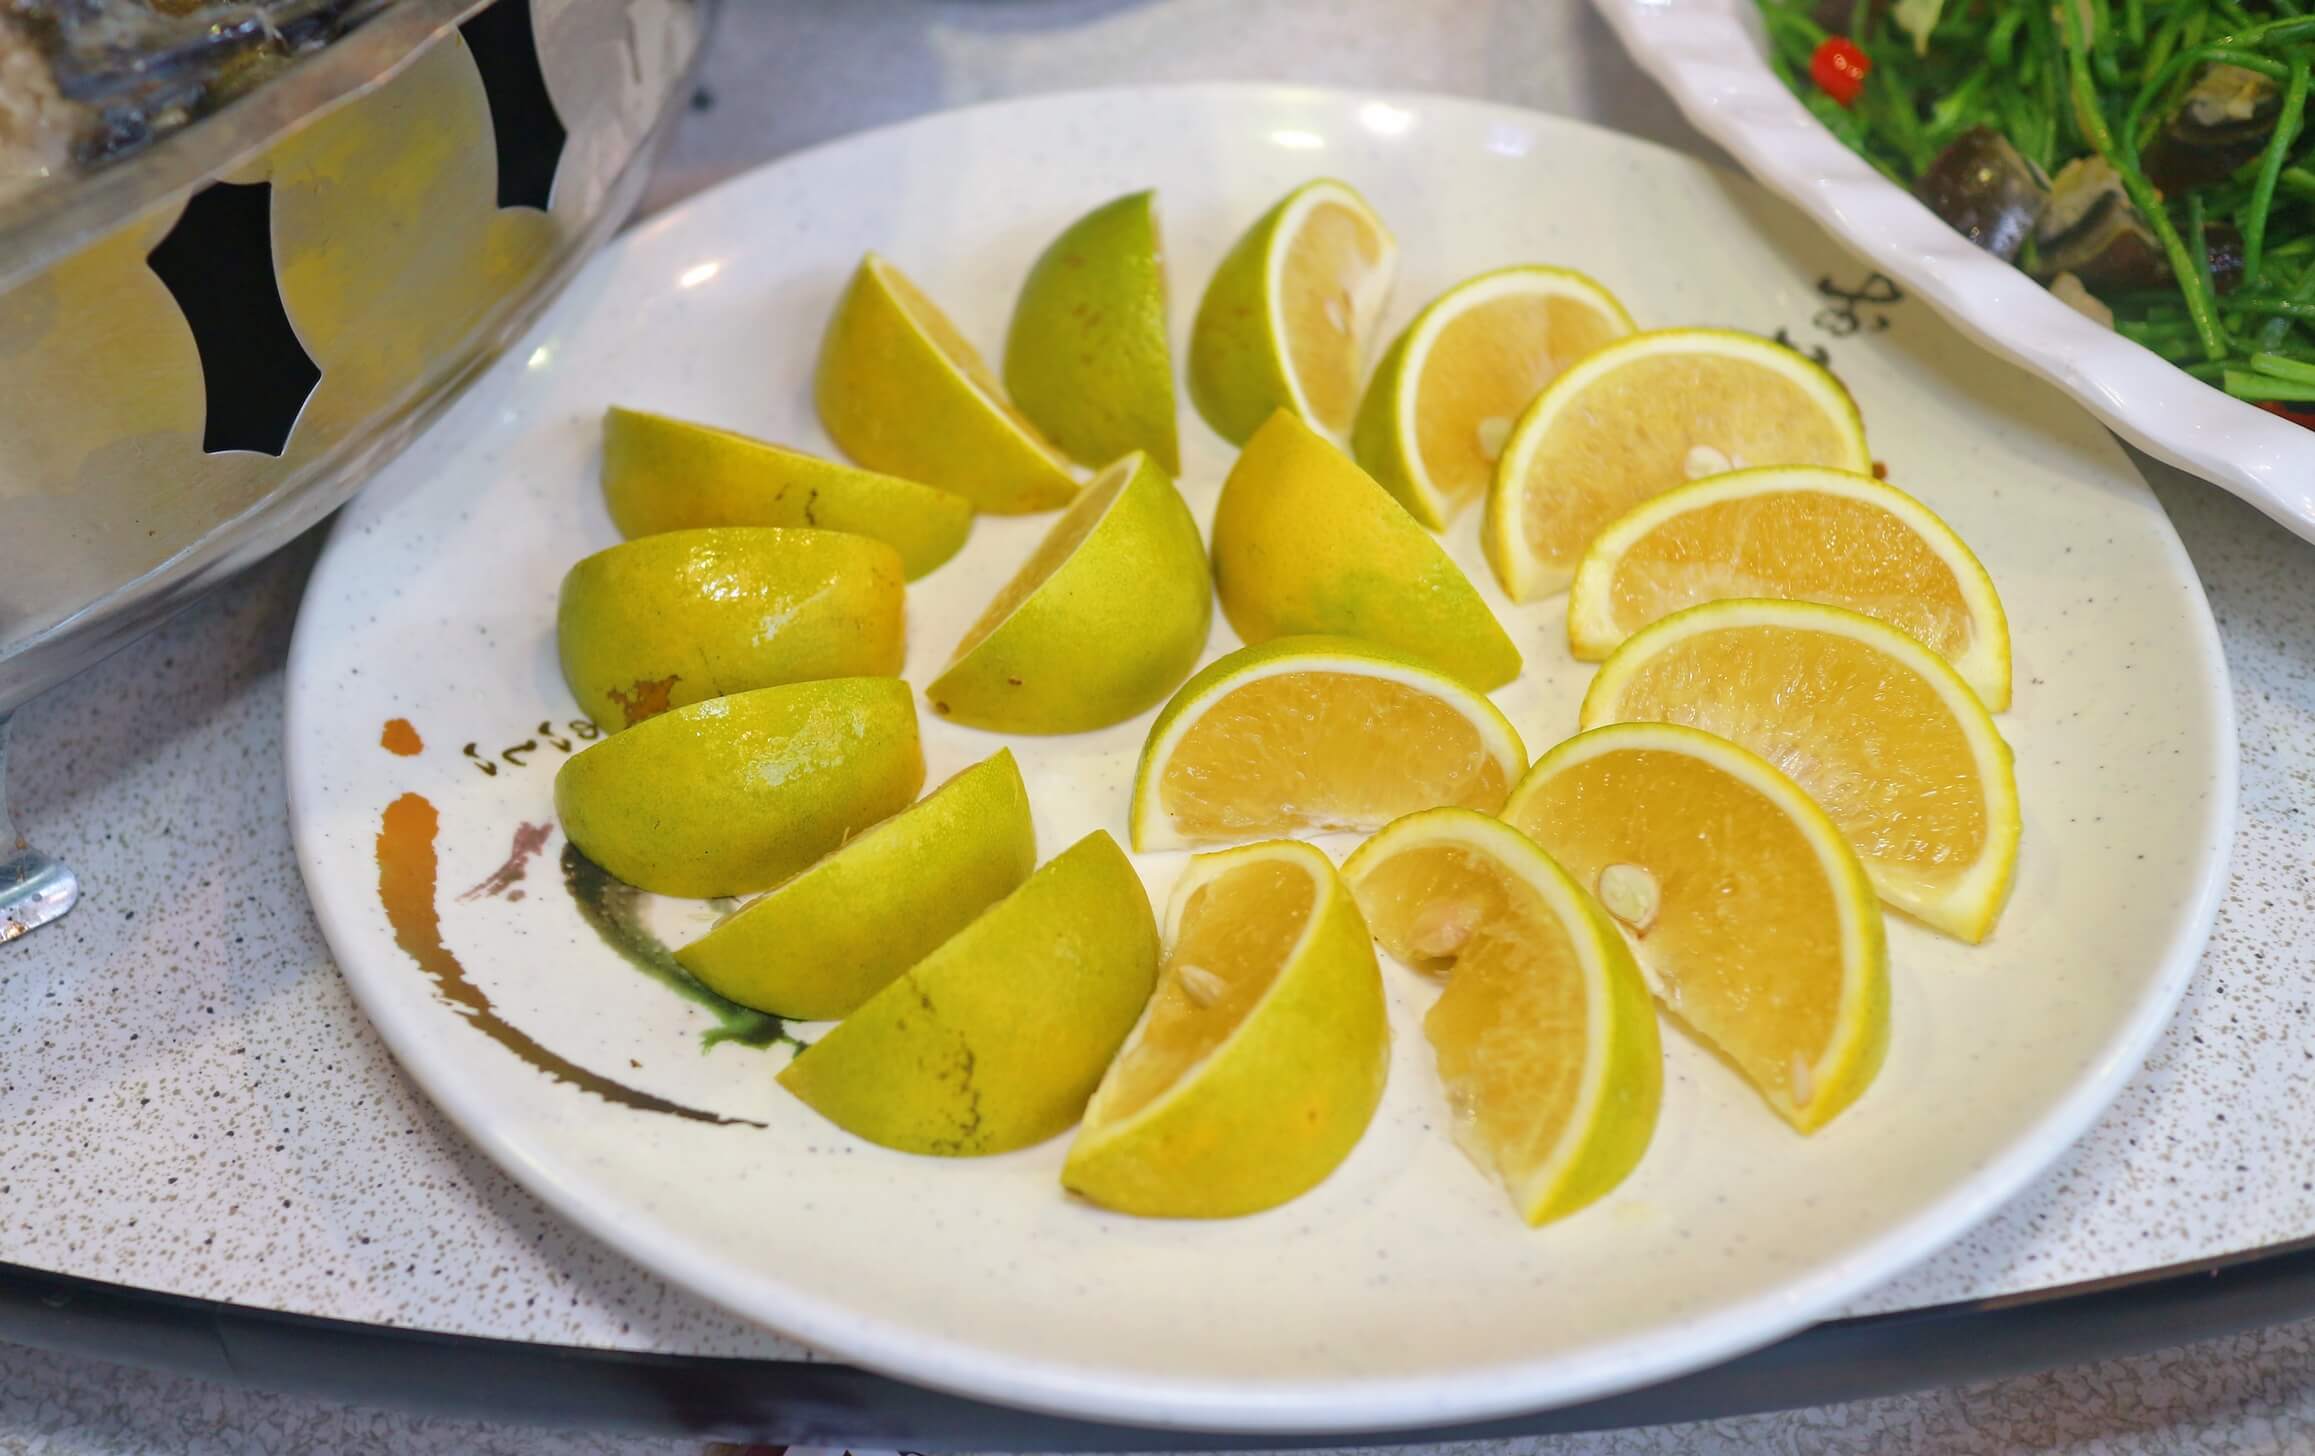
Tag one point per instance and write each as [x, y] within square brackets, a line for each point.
[648, 700]
[402, 739]
[529, 839]
[407, 873]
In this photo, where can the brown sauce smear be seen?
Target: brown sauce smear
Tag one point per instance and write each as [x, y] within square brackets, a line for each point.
[401, 739]
[407, 872]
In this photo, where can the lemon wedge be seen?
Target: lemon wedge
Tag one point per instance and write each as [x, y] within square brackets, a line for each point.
[663, 474]
[1759, 933]
[1289, 315]
[900, 390]
[1801, 532]
[1086, 357]
[1644, 414]
[1262, 1056]
[1316, 733]
[996, 1039]
[1443, 400]
[1107, 616]
[1882, 732]
[1545, 1036]
[735, 794]
[1305, 541]
[664, 621]
[818, 944]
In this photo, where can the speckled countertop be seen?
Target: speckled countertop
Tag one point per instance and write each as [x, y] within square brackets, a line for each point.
[189, 1100]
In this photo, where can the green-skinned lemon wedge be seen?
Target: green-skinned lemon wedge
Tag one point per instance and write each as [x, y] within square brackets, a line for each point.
[996, 1039]
[735, 794]
[662, 474]
[1545, 1036]
[1290, 313]
[1262, 1056]
[1443, 400]
[816, 946]
[1106, 617]
[900, 390]
[665, 621]
[1086, 358]
[1306, 542]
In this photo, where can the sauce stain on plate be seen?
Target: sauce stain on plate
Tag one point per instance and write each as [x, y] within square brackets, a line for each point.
[529, 839]
[401, 739]
[407, 873]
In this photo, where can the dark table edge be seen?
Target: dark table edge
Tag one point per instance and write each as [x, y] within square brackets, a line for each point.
[820, 1403]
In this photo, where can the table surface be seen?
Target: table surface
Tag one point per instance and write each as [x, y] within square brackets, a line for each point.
[191, 1102]
[2251, 1394]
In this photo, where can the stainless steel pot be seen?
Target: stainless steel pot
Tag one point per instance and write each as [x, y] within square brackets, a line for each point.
[205, 348]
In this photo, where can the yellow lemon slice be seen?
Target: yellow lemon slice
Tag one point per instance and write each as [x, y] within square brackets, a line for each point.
[818, 944]
[1104, 619]
[1287, 320]
[1642, 415]
[1441, 406]
[669, 620]
[1761, 935]
[735, 794]
[1801, 532]
[1880, 731]
[1316, 733]
[662, 474]
[1086, 358]
[1545, 1035]
[1261, 1058]
[996, 1039]
[1305, 541]
[901, 391]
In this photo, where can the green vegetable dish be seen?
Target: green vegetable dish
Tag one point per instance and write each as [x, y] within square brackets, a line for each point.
[2142, 158]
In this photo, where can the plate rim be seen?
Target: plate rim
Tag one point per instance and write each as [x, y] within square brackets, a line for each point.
[1305, 1406]
[1706, 57]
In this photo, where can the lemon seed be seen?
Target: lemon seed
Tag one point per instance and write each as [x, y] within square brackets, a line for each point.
[1493, 431]
[1630, 894]
[1199, 984]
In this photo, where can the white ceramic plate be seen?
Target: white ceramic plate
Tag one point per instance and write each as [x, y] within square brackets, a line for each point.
[1711, 56]
[1403, 1291]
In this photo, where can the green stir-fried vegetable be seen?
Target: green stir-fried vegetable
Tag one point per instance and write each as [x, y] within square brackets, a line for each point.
[2150, 155]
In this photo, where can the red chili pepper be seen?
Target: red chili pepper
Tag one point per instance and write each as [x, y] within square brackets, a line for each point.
[2303, 418]
[1839, 69]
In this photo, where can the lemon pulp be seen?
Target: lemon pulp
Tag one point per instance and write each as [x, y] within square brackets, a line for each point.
[1076, 523]
[1330, 750]
[1892, 793]
[1813, 546]
[1624, 443]
[1261, 1055]
[1236, 934]
[958, 350]
[1886, 737]
[1488, 365]
[1334, 253]
[1740, 939]
[1510, 1028]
